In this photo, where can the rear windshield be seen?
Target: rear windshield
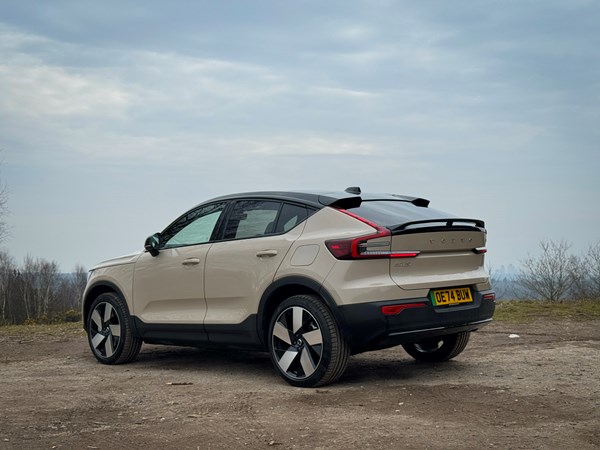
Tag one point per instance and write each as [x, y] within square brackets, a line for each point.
[390, 213]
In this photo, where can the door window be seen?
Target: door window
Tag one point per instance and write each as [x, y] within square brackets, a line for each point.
[194, 227]
[252, 218]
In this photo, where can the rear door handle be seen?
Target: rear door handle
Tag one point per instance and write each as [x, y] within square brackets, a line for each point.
[191, 261]
[266, 253]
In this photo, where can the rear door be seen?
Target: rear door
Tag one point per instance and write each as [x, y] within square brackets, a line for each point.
[255, 239]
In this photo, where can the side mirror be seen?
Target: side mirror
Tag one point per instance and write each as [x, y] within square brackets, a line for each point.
[152, 244]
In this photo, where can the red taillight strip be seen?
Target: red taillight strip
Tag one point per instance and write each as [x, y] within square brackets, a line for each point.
[489, 297]
[480, 250]
[392, 310]
[404, 254]
[350, 248]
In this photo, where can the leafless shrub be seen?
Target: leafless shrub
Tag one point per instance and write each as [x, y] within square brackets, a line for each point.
[549, 276]
[586, 274]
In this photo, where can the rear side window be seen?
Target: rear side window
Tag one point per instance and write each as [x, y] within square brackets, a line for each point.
[291, 215]
[393, 212]
[252, 218]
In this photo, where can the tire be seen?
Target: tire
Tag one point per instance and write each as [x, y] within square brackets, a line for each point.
[305, 343]
[438, 349]
[109, 330]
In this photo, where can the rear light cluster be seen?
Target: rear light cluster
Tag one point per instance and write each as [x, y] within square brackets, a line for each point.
[392, 310]
[362, 248]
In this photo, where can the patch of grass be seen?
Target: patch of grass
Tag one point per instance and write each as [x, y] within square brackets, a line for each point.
[523, 311]
[55, 329]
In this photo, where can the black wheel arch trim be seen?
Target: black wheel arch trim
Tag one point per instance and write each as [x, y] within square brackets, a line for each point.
[266, 307]
[94, 291]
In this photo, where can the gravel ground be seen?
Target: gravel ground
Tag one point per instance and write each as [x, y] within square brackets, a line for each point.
[540, 390]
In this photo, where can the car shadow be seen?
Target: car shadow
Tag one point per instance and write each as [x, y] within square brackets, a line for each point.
[372, 367]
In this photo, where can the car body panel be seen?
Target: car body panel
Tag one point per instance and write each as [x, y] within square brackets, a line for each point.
[239, 271]
[118, 277]
[446, 258]
[169, 288]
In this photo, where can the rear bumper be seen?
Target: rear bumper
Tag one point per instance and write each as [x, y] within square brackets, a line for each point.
[367, 328]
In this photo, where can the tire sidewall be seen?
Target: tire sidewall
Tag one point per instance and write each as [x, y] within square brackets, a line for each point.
[310, 304]
[445, 352]
[122, 314]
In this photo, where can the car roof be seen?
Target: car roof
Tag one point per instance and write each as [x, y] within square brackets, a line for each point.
[351, 197]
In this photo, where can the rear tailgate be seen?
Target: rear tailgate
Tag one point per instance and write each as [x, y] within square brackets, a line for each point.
[451, 253]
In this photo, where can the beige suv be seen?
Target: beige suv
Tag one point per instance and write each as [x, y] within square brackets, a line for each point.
[310, 277]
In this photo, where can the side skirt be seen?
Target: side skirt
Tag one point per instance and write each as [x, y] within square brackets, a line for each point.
[243, 335]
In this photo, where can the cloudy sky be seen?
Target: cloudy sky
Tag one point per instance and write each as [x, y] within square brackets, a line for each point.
[115, 117]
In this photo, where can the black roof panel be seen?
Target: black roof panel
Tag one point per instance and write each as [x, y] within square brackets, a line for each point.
[320, 199]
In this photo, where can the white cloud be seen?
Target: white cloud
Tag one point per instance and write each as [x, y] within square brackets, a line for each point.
[41, 90]
[306, 146]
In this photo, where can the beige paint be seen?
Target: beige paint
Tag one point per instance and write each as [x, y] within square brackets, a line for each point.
[446, 259]
[239, 271]
[121, 275]
[169, 290]
[227, 283]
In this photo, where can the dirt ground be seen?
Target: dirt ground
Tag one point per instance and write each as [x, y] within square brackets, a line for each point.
[540, 390]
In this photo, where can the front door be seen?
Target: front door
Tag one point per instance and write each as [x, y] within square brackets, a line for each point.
[169, 288]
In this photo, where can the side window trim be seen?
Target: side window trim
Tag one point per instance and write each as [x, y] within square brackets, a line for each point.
[220, 227]
[218, 233]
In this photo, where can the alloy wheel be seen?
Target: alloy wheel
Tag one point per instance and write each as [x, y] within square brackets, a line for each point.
[297, 343]
[105, 330]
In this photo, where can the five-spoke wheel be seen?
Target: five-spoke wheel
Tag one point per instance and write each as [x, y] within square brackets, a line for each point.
[105, 330]
[297, 342]
[305, 343]
[109, 331]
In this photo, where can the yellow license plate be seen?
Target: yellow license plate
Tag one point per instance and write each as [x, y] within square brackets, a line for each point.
[453, 296]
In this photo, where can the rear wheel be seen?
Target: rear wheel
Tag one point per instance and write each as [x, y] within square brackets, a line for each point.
[438, 349]
[109, 330]
[305, 343]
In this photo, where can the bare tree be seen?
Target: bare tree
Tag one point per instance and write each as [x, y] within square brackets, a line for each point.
[593, 264]
[72, 287]
[8, 270]
[3, 210]
[38, 285]
[549, 276]
[586, 274]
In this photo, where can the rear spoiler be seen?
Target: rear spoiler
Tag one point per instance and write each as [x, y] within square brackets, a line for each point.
[454, 223]
[354, 201]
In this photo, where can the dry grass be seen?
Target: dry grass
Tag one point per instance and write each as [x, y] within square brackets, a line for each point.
[522, 311]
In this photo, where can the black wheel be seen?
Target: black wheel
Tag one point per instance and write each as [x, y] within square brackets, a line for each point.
[438, 349]
[305, 343]
[109, 330]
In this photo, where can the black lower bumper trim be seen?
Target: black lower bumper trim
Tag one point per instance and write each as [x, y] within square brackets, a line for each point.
[367, 328]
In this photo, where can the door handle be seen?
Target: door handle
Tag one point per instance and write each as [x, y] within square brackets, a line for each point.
[266, 253]
[191, 261]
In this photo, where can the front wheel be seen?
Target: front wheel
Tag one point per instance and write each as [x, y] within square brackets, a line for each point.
[438, 349]
[305, 343]
[110, 336]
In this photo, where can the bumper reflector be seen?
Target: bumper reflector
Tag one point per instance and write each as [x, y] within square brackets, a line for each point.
[489, 297]
[392, 310]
